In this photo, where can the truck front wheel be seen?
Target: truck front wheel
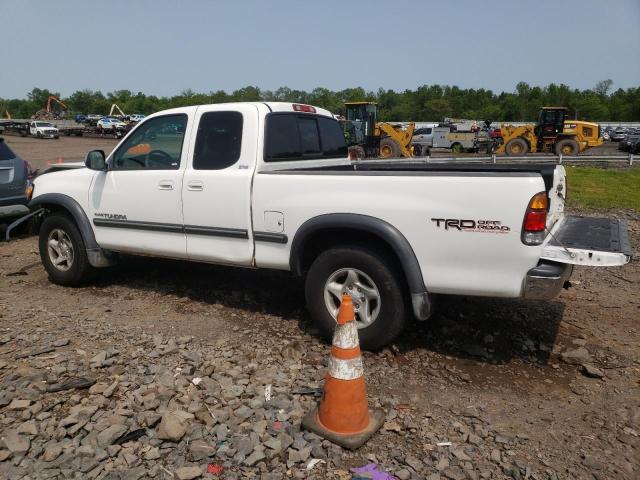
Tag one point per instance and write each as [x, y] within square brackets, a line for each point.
[62, 251]
[375, 285]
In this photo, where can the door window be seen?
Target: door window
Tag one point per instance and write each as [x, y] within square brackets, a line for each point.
[154, 145]
[219, 140]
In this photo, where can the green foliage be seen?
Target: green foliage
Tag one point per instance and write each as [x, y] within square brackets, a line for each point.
[426, 103]
[604, 188]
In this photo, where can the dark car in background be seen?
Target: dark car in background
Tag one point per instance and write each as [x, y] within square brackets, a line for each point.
[15, 181]
[618, 134]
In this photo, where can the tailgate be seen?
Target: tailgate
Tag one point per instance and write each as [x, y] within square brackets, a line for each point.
[588, 241]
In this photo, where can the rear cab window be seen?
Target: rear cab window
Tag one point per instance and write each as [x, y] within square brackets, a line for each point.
[302, 136]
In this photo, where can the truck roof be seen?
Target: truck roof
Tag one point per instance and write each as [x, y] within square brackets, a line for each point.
[273, 106]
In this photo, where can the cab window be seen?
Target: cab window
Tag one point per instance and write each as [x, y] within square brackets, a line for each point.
[219, 140]
[154, 145]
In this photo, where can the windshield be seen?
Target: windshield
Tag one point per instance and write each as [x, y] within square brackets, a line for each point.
[43, 124]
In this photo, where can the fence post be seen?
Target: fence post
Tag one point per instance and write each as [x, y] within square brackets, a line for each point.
[428, 157]
[630, 159]
[493, 158]
[560, 159]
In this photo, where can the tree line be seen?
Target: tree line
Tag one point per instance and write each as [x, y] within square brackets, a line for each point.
[425, 103]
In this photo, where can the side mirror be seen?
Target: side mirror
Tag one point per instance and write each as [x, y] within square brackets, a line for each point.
[95, 160]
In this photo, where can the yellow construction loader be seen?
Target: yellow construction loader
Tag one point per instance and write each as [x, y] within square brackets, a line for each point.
[553, 133]
[372, 139]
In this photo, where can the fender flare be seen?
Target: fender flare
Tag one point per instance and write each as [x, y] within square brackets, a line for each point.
[385, 231]
[96, 255]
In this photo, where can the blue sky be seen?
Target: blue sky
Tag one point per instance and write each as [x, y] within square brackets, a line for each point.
[165, 46]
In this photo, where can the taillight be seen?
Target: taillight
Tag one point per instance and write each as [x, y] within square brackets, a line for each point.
[535, 220]
[28, 170]
[297, 107]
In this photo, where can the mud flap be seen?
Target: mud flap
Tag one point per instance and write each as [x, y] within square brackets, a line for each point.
[588, 241]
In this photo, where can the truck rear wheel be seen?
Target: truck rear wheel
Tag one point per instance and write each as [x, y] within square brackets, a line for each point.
[457, 148]
[567, 146]
[389, 148]
[62, 251]
[375, 285]
[516, 146]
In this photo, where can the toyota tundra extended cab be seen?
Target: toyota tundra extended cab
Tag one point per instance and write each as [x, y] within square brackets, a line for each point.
[270, 185]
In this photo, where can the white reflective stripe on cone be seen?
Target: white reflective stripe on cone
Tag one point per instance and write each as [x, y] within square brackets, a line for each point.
[346, 336]
[346, 369]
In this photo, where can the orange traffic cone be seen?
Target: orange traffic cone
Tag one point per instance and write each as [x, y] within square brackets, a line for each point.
[343, 416]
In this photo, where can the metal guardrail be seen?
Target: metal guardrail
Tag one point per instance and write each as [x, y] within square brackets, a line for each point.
[497, 159]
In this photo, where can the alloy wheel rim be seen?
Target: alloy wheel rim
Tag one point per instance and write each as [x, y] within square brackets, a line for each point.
[60, 249]
[363, 290]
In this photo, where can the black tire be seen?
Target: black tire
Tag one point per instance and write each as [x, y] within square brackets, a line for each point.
[389, 148]
[387, 278]
[566, 146]
[79, 270]
[516, 147]
[417, 150]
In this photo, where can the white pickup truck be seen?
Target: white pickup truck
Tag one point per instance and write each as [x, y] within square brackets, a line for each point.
[41, 129]
[270, 185]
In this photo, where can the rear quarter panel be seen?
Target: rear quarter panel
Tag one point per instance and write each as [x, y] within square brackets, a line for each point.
[467, 261]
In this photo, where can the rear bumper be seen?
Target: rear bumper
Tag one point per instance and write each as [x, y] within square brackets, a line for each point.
[546, 280]
[13, 207]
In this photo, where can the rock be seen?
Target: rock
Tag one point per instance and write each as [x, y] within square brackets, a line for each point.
[4, 454]
[577, 356]
[392, 427]
[109, 390]
[254, 458]
[413, 462]
[17, 404]
[171, 427]
[460, 454]
[52, 452]
[111, 434]
[98, 388]
[152, 454]
[454, 473]
[61, 342]
[403, 474]
[15, 442]
[592, 463]
[591, 371]
[188, 473]
[30, 428]
[200, 449]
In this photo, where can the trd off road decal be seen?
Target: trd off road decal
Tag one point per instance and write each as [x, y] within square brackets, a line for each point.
[111, 216]
[486, 226]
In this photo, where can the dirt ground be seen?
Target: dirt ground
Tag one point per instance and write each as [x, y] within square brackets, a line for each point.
[41, 151]
[487, 375]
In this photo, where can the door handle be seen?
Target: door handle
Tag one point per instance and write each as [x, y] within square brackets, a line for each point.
[165, 185]
[195, 186]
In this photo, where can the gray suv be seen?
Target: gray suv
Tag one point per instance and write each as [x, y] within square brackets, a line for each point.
[15, 180]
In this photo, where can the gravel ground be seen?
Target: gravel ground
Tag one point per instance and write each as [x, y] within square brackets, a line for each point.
[173, 362]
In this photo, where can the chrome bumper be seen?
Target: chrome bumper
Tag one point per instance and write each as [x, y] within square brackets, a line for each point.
[546, 280]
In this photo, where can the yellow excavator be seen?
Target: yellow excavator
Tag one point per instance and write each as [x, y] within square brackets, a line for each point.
[373, 139]
[554, 133]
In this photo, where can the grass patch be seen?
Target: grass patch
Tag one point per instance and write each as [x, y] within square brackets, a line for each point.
[604, 188]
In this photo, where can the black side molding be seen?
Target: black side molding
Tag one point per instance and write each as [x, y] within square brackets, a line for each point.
[149, 226]
[270, 237]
